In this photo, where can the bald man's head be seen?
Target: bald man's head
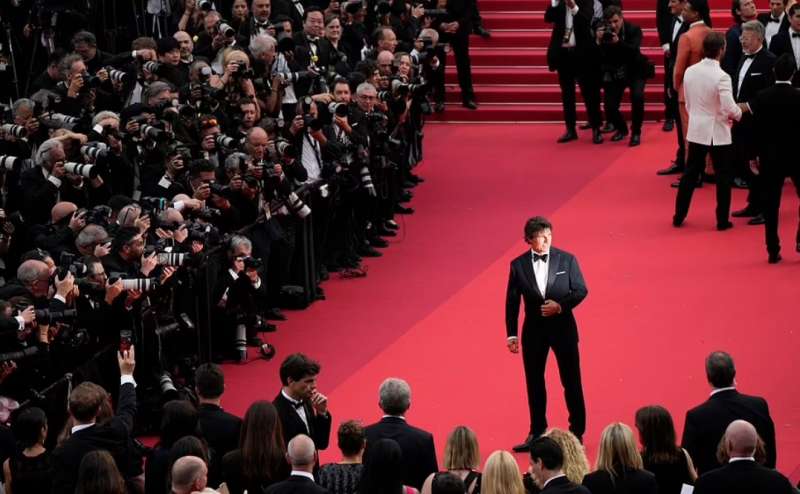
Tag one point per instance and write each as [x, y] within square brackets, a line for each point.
[61, 210]
[189, 474]
[302, 453]
[741, 439]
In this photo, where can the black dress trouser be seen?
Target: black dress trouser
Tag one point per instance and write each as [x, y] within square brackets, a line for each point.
[574, 68]
[613, 92]
[772, 182]
[721, 159]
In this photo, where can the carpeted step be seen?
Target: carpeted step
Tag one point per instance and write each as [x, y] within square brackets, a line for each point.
[537, 38]
[504, 57]
[527, 112]
[544, 93]
[527, 19]
[519, 75]
[528, 5]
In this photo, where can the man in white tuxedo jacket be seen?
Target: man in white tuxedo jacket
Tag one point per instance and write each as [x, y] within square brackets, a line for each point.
[711, 108]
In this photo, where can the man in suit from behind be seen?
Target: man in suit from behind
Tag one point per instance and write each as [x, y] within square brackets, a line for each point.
[419, 453]
[775, 20]
[711, 107]
[303, 457]
[113, 436]
[705, 424]
[220, 428]
[774, 110]
[550, 283]
[301, 407]
[742, 475]
[788, 41]
[546, 468]
[190, 475]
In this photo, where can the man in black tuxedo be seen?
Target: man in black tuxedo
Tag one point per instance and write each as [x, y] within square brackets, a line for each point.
[789, 40]
[550, 282]
[113, 436]
[677, 27]
[664, 21]
[311, 42]
[220, 428]
[303, 456]
[546, 468]
[742, 475]
[706, 423]
[455, 28]
[573, 54]
[775, 20]
[419, 454]
[301, 408]
[774, 110]
[753, 74]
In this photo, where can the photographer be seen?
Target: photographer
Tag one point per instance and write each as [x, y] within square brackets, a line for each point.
[623, 66]
[33, 283]
[60, 233]
[263, 50]
[455, 28]
[77, 90]
[314, 53]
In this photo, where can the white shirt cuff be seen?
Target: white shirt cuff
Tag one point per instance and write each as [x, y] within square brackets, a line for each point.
[257, 284]
[54, 180]
[512, 338]
[665, 47]
[21, 322]
[574, 10]
[62, 299]
[125, 379]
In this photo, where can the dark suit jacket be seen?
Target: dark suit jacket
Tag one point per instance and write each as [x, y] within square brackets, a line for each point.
[631, 482]
[763, 18]
[221, 431]
[563, 485]
[758, 77]
[705, 425]
[782, 43]
[113, 436]
[664, 22]
[419, 454]
[669, 66]
[625, 53]
[584, 42]
[293, 425]
[302, 56]
[41, 195]
[743, 477]
[733, 50]
[296, 485]
[565, 285]
[773, 119]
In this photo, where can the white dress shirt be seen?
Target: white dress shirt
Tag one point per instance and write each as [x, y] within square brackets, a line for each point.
[741, 458]
[748, 61]
[568, 24]
[311, 157]
[772, 28]
[540, 272]
[676, 27]
[301, 411]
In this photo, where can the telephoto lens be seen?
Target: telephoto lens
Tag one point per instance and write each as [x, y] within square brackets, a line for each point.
[141, 284]
[152, 67]
[81, 169]
[11, 163]
[17, 131]
[205, 5]
[226, 30]
[172, 258]
[154, 133]
[118, 76]
[94, 150]
[226, 142]
[338, 109]
[366, 181]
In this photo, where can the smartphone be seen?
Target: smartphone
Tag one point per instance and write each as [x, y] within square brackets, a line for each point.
[125, 340]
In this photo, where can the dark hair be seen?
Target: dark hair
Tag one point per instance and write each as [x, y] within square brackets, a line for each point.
[196, 167]
[209, 380]
[383, 466]
[793, 9]
[548, 451]
[84, 37]
[312, 8]
[179, 418]
[702, 9]
[611, 11]
[98, 474]
[123, 237]
[713, 44]
[27, 426]
[297, 366]
[536, 225]
[657, 433]
[261, 443]
[784, 67]
[720, 370]
[447, 483]
[351, 437]
[330, 18]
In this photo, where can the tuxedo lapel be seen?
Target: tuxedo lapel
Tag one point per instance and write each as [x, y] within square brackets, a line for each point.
[552, 269]
[527, 268]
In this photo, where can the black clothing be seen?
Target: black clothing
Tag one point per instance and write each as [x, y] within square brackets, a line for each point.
[221, 431]
[782, 43]
[563, 485]
[764, 18]
[340, 478]
[628, 482]
[721, 159]
[296, 485]
[670, 476]
[624, 66]
[302, 56]
[155, 472]
[30, 475]
[671, 94]
[566, 286]
[419, 454]
[319, 426]
[743, 477]
[706, 423]
[233, 476]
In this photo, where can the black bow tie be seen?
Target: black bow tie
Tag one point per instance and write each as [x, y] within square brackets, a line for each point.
[262, 25]
[774, 19]
[296, 404]
[749, 55]
[678, 20]
[539, 257]
[795, 35]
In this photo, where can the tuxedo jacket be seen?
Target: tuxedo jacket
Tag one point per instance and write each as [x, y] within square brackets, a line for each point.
[759, 76]
[419, 454]
[773, 114]
[319, 425]
[743, 477]
[782, 43]
[669, 66]
[706, 423]
[565, 285]
[764, 17]
[581, 25]
[302, 56]
[296, 485]
[689, 52]
[563, 485]
[708, 93]
[664, 22]
[631, 481]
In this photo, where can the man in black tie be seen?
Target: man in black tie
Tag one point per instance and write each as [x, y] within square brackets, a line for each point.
[774, 119]
[550, 282]
[312, 48]
[775, 20]
[257, 22]
[789, 41]
[303, 456]
[546, 468]
[301, 408]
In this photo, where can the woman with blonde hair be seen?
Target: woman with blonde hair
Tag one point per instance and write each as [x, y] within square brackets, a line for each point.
[501, 475]
[462, 458]
[619, 465]
[576, 465]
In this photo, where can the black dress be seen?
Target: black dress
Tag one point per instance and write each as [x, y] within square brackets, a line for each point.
[30, 475]
[341, 478]
[670, 476]
[237, 484]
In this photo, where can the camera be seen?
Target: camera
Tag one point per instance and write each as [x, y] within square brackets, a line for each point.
[224, 141]
[243, 72]
[98, 215]
[225, 29]
[57, 120]
[220, 190]
[118, 76]
[171, 258]
[152, 67]
[69, 263]
[89, 81]
[205, 5]
[339, 109]
[435, 12]
[95, 151]
[285, 44]
[82, 169]
[366, 180]
[154, 133]
[17, 131]
[383, 8]
[252, 263]
[47, 317]
[14, 163]
[608, 33]
[153, 204]
[141, 284]
[353, 8]
[284, 148]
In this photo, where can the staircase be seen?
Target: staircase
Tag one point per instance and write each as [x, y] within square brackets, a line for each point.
[509, 70]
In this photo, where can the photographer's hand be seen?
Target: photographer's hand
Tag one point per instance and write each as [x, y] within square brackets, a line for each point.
[32, 125]
[203, 192]
[181, 234]
[131, 297]
[28, 315]
[102, 74]
[166, 273]
[77, 222]
[418, 11]
[127, 361]
[513, 345]
[65, 286]
[75, 86]
[297, 124]
[343, 124]
[102, 250]
[58, 170]
[113, 291]
[149, 263]
[142, 223]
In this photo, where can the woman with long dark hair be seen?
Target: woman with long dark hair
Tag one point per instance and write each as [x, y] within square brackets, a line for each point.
[178, 419]
[28, 470]
[661, 454]
[260, 460]
[98, 474]
[383, 469]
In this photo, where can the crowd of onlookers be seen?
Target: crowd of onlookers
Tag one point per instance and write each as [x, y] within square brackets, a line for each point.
[728, 446]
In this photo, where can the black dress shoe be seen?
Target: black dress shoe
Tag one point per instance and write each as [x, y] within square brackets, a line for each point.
[323, 273]
[402, 210]
[385, 232]
[597, 137]
[482, 32]
[585, 126]
[774, 258]
[607, 128]
[739, 183]
[676, 222]
[724, 226]
[709, 179]
[669, 124]
[672, 169]
[797, 247]
[618, 136]
[636, 139]
[525, 445]
[569, 135]
[267, 351]
[378, 242]
[757, 220]
[470, 104]
[747, 212]
[391, 225]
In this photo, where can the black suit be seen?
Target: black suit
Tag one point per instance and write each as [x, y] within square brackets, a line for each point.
[782, 43]
[459, 11]
[705, 425]
[563, 485]
[578, 63]
[764, 19]
[419, 454]
[671, 93]
[319, 426]
[565, 285]
[296, 485]
[624, 67]
[113, 436]
[774, 110]
[302, 56]
[41, 195]
[629, 482]
[743, 477]
[221, 431]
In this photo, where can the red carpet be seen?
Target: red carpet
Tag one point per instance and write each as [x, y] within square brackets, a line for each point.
[431, 310]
